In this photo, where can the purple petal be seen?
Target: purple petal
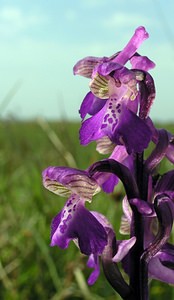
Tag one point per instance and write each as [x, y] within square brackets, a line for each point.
[164, 208]
[123, 249]
[167, 256]
[90, 105]
[165, 212]
[155, 138]
[107, 67]
[166, 184]
[143, 207]
[101, 124]
[119, 153]
[147, 91]
[62, 180]
[109, 185]
[54, 225]
[85, 66]
[103, 220]
[133, 105]
[142, 63]
[76, 222]
[120, 124]
[93, 262]
[139, 36]
[153, 129]
[159, 152]
[61, 174]
[90, 129]
[158, 270]
[132, 131]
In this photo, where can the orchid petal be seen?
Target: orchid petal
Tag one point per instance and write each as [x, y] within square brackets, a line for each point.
[135, 134]
[142, 206]
[85, 66]
[159, 152]
[90, 105]
[167, 256]
[147, 92]
[119, 153]
[166, 184]
[106, 68]
[158, 270]
[109, 185]
[100, 86]
[91, 128]
[142, 62]
[93, 262]
[103, 220]
[62, 180]
[123, 249]
[165, 213]
[76, 222]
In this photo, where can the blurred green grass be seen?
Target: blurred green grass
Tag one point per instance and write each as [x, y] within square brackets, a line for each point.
[29, 268]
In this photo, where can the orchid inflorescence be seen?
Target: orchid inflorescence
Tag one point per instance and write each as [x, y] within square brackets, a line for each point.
[119, 103]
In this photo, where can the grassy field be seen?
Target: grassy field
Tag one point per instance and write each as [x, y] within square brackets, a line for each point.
[29, 268]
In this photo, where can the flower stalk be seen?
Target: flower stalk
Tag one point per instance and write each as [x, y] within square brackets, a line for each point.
[138, 272]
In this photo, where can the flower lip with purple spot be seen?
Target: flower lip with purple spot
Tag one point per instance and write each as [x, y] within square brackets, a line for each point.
[78, 224]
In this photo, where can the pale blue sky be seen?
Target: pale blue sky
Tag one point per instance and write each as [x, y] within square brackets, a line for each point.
[42, 40]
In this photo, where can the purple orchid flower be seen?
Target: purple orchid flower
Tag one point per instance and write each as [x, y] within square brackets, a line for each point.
[75, 221]
[114, 98]
[89, 230]
[80, 188]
